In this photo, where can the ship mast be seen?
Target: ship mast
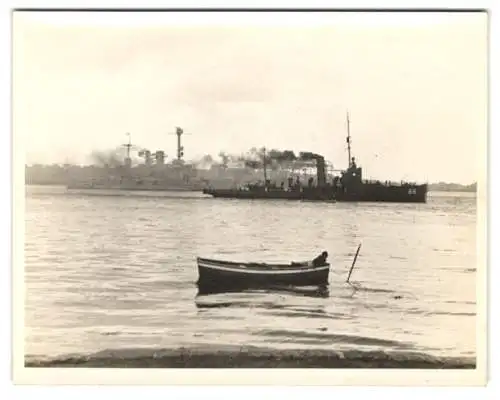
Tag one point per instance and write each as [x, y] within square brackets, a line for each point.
[128, 161]
[180, 149]
[348, 141]
[265, 170]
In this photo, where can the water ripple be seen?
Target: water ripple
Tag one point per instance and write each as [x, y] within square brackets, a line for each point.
[119, 272]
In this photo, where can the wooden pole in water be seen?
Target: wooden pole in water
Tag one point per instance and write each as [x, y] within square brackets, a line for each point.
[353, 263]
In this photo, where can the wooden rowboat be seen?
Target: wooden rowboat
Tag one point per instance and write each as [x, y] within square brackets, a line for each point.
[217, 274]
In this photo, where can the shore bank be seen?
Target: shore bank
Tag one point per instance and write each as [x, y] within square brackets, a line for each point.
[252, 358]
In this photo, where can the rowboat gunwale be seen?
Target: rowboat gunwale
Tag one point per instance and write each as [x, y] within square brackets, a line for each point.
[258, 268]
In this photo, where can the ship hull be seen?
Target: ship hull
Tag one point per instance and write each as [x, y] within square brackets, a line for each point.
[362, 193]
[382, 193]
[135, 188]
[270, 195]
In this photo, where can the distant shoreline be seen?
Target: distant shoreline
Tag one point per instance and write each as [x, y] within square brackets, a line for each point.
[451, 187]
[439, 187]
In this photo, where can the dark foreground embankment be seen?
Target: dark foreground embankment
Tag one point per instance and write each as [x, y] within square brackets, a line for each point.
[254, 358]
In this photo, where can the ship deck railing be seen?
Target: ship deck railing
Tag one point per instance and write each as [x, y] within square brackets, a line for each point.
[390, 183]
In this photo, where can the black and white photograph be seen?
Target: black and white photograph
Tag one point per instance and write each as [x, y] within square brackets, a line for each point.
[242, 190]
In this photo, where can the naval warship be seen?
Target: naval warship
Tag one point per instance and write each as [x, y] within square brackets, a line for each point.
[153, 174]
[346, 185]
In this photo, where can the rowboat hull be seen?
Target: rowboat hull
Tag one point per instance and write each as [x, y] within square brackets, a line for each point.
[216, 275]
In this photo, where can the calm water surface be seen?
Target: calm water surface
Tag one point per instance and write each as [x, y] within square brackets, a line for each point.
[118, 272]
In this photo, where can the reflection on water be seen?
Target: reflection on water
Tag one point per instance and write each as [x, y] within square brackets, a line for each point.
[314, 291]
[120, 272]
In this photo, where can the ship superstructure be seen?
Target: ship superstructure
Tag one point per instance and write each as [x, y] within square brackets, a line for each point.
[151, 173]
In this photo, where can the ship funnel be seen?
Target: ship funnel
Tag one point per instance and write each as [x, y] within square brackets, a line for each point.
[147, 157]
[160, 157]
[320, 167]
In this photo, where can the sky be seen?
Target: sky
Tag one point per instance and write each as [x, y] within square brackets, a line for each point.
[414, 84]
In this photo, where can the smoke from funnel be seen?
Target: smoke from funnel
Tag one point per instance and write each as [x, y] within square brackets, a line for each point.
[274, 159]
[204, 162]
[109, 158]
[254, 158]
